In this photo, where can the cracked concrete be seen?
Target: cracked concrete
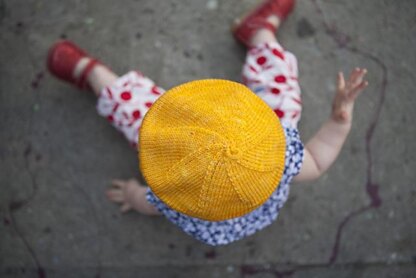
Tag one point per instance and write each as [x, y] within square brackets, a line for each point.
[57, 156]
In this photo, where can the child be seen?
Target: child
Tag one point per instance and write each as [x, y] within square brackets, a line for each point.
[217, 159]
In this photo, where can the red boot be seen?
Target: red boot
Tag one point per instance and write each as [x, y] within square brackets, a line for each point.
[246, 26]
[63, 57]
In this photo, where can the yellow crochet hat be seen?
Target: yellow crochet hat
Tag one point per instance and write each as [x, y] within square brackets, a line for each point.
[212, 149]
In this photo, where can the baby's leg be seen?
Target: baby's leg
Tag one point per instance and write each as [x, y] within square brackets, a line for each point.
[122, 100]
[98, 78]
[125, 100]
[272, 73]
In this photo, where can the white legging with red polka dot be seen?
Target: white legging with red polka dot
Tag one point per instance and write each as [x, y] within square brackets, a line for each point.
[269, 71]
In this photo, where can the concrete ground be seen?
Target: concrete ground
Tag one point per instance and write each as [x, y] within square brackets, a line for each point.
[57, 156]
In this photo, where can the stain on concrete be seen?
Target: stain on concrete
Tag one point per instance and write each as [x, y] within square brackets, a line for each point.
[188, 251]
[6, 221]
[37, 80]
[304, 28]
[2, 11]
[211, 254]
[372, 189]
[249, 270]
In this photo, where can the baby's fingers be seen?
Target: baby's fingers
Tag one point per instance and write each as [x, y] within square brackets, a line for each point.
[357, 90]
[115, 195]
[118, 183]
[341, 82]
[357, 76]
[125, 207]
[354, 74]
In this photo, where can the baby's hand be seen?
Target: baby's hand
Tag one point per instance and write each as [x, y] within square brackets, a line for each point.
[347, 92]
[123, 192]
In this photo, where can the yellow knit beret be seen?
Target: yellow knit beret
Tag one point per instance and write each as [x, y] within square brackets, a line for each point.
[212, 149]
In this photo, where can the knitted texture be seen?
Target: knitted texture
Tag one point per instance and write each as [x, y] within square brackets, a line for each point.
[212, 149]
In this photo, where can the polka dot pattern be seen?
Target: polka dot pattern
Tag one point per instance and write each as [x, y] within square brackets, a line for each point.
[261, 60]
[278, 53]
[136, 114]
[125, 96]
[272, 73]
[125, 103]
[280, 79]
[275, 91]
[279, 113]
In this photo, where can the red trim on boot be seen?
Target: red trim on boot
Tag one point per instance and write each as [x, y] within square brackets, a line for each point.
[82, 81]
[62, 59]
[257, 19]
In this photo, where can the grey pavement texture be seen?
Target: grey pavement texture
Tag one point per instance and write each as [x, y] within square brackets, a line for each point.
[57, 156]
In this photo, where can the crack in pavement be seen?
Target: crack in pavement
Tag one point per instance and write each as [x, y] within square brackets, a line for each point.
[2, 11]
[17, 205]
[343, 41]
[96, 218]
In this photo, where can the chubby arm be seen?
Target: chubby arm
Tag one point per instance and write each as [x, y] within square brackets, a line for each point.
[323, 148]
[130, 194]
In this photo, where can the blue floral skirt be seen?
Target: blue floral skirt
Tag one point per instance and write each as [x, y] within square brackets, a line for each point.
[224, 232]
